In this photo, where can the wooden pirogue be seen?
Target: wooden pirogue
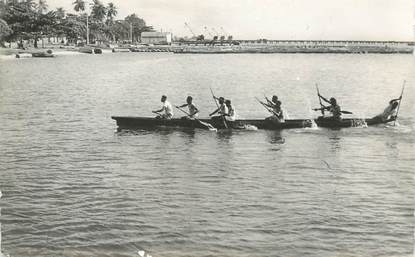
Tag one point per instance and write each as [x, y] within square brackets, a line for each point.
[125, 122]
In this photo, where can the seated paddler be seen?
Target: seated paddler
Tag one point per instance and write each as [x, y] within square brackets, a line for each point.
[273, 100]
[222, 110]
[333, 108]
[231, 115]
[390, 112]
[193, 111]
[275, 109]
[166, 111]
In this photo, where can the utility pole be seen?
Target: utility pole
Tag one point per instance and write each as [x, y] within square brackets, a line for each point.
[87, 30]
[87, 24]
[131, 32]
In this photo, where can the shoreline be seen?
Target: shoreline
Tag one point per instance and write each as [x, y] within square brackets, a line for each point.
[6, 53]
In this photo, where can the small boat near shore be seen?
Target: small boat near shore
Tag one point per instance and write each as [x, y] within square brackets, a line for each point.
[121, 50]
[35, 55]
[43, 55]
[125, 122]
[86, 50]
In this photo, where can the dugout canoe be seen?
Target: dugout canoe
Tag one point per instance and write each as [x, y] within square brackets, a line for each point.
[349, 123]
[127, 122]
[146, 122]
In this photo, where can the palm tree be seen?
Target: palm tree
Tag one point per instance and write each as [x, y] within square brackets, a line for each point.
[79, 5]
[29, 5]
[111, 13]
[60, 13]
[98, 10]
[42, 6]
[4, 31]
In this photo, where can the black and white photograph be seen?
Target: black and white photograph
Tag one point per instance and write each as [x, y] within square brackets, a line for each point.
[189, 128]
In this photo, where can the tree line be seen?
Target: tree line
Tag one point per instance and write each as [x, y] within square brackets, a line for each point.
[32, 20]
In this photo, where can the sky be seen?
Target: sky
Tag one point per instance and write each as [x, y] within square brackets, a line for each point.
[275, 19]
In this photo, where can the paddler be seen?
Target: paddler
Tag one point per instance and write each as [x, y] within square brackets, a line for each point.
[166, 108]
[275, 106]
[390, 112]
[231, 115]
[333, 108]
[193, 111]
[222, 110]
[273, 101]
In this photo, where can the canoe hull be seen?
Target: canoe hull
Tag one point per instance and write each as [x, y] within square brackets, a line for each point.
[349, 123]
[147, 122]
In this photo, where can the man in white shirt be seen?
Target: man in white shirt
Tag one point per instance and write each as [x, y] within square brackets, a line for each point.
[166, 108]
[231, 115]
[222, 109]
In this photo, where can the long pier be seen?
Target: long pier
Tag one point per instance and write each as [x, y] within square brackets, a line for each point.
[295, 46]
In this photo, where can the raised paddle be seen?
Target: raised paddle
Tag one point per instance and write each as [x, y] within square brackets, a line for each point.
[268, 101]
[217, 105]
[400, 100]
[319, 98]
[323, 107]
[207, 125]
[266, 107]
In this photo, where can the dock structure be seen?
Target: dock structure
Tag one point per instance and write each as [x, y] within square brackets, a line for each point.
[295, 46]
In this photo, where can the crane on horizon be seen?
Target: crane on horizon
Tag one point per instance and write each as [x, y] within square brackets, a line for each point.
[189, 28]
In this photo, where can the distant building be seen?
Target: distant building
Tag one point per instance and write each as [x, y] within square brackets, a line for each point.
[156, 38]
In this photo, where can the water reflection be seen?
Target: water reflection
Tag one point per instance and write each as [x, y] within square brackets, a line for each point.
[335, 139]
[225, 135]
[275, 137]
[164, 131]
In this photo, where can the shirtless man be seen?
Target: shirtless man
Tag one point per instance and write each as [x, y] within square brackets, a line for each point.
[193, 111]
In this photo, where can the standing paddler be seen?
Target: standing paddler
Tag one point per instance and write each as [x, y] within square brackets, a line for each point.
[166, 109]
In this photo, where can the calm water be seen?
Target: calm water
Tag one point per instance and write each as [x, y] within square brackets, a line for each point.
[74, 186]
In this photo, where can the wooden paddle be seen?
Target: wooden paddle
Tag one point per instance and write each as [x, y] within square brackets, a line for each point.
[266, 107]
[320, 109]
[319, 98]
[217, 105]
[158, 114]
[323, 107]
[399, 105]
[268, 101]
[207, 125]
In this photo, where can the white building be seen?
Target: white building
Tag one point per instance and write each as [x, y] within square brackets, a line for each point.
[156, 38]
